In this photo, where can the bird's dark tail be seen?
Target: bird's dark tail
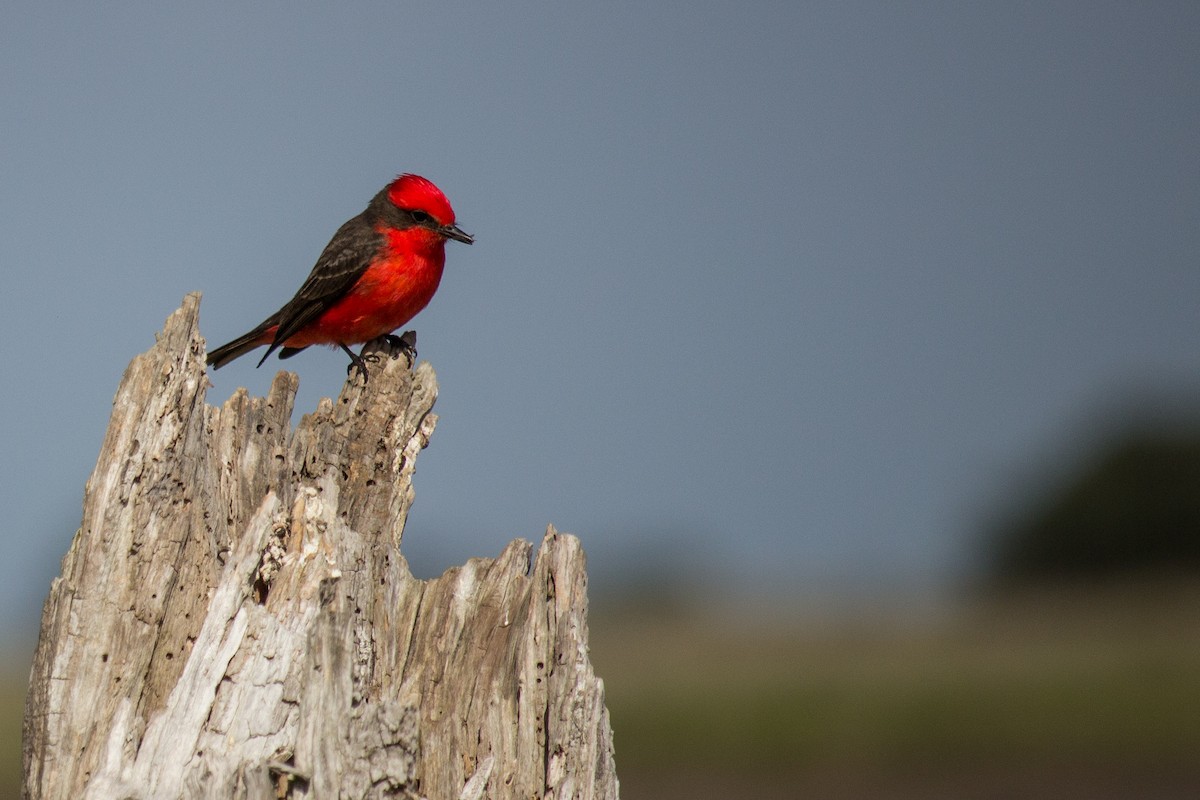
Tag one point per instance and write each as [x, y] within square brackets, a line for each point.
[238, 347]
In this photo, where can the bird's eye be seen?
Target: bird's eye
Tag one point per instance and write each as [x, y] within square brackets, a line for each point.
[420, 217]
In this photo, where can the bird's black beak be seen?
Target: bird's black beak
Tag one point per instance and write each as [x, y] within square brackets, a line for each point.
[457, 234]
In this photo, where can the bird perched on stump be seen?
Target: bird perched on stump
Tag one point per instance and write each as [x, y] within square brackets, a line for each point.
[378, 271]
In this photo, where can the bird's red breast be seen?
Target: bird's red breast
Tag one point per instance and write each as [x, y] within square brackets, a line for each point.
[397, 284]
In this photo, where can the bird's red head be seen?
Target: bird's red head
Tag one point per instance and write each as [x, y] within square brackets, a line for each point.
[414, 193]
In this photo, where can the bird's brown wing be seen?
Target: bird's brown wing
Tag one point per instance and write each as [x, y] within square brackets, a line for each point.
[342, 263]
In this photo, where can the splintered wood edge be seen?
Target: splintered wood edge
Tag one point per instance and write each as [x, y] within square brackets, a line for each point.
[267, 607]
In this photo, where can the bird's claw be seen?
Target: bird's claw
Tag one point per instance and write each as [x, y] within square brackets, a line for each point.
[406, 343]
[359, 363]
[356, 362]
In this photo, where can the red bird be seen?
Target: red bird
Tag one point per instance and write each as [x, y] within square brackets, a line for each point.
[377, 272]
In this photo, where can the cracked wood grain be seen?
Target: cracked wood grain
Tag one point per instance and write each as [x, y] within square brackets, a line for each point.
[234, 617]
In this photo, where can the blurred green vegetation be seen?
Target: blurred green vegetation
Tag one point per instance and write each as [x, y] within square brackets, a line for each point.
[1065, 691]
[14, 678]
[1028, 690]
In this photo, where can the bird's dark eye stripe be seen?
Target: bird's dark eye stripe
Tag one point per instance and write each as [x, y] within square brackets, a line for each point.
[420, 216]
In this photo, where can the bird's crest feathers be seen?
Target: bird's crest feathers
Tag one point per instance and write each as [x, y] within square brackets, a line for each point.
[415, 193]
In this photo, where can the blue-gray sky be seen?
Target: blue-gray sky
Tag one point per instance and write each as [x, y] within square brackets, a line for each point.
[789, 291]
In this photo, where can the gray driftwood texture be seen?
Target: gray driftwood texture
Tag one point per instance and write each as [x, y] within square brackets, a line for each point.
[234, 618]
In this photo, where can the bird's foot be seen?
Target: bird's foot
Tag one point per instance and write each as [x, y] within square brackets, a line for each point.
[407, 343]
[357, 362]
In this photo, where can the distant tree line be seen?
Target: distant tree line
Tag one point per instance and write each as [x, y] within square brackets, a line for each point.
[1132, 508]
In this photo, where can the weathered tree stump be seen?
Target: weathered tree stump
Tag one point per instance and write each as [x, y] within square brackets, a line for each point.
[234, 618]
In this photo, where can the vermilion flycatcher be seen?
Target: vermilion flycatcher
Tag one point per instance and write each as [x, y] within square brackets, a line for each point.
[377, 272]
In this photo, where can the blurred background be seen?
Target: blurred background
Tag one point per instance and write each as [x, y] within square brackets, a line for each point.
[858, 343]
